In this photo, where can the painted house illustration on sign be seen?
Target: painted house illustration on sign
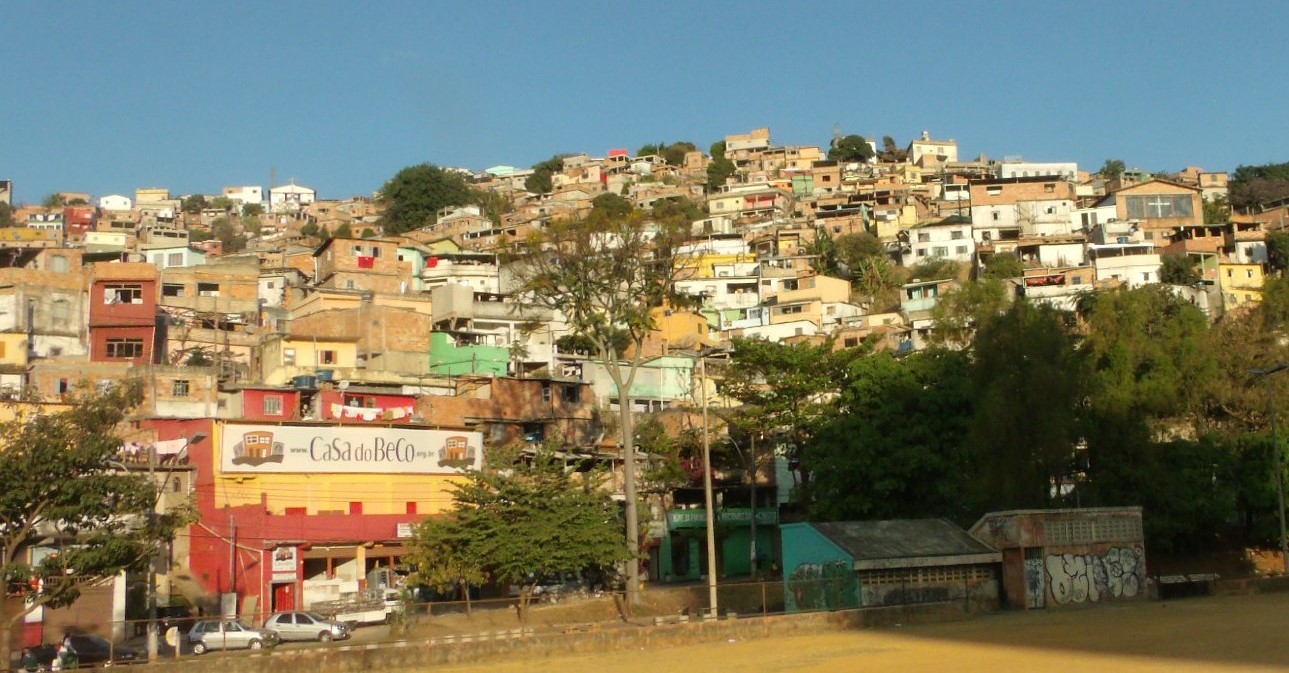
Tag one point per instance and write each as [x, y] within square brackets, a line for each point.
[256, 448]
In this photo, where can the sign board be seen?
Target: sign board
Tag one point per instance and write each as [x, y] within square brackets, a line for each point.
[172, 636]
[404, 530]
[330, 449]
[283, 577]
[735, 516]
[286, 560]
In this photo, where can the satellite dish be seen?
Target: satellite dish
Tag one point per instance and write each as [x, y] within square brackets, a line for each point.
[343, 385]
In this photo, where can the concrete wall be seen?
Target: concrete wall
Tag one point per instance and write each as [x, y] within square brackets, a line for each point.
[419, 656]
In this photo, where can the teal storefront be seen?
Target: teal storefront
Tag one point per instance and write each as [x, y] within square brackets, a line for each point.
[682, 554]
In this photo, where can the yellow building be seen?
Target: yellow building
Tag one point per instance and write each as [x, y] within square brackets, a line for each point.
[284, 358]
[1241, 283]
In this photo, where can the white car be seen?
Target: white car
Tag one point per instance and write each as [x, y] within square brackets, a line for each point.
[306, 626]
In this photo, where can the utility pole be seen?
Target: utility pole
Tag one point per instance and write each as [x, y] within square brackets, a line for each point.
[707, 490]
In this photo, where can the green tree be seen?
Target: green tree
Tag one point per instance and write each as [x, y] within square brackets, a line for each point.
[608, 276]
[519, 525]
[1112, 168]
[1278, 250]
[1177, 269]
[1253, 186]
[1028, 382]
[60, 492]
[788, 392]
[851, 148]
[343, 231]
[415, 195]
[368, 232]
[229, 237]
[719, 169]
[961, 311]
[677, 209]
[444, 556]
[54, 200]
[223, 203]
[674, 154]
[611, 205]
[1217, 211]
[542, 179]
[936, 268]
[851, 248]
[895, 448]
[1003, 266]
[309, 229]
[193, 204]
[891, 152]
[252, 210]
[6, 216]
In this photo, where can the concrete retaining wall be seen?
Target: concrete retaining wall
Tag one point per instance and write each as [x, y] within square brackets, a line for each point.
[414, 655]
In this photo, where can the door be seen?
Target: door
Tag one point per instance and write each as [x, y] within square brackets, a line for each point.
[1035, 581]
[283, 597]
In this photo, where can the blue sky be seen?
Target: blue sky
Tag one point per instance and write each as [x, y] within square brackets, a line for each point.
[105, 97]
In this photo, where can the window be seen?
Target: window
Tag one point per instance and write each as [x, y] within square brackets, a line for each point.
[326, 357]
[63, 386]
[1150, 235]
[791, 284]
[351, 285]
[1249, 273]
[272, 405]
[994, 191]
[960, 250]
[355, 508]
[175, 259]
[572, 394]
[791, 309]
[172, 290]
[288, 356]
[850, 342]
[546, 391]
[1230, 273]
[924, 237]
[58, 264]
[125, 348]
[921, 252]
[411, 507]
[940, 251]
[997, 215]
[1049, 187]
[207, 289]
[62, 311]
[123, 294]
[1159, 206]
[957, 235]
[181, 388]
[1145, 277]
[1076, 280]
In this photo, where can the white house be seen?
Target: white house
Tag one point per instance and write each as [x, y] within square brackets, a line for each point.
[171, 255]
[949, 239]
[1135, 264]
[115, 202]
[289, 198]
[245, 194]
[1067, 170]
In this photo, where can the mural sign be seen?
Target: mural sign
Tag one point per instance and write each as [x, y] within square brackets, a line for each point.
[317, 449]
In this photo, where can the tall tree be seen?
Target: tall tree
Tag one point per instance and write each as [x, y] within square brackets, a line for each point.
[961, 311]
[68, 519]
[608, 276]
[542, 179]
[415, 195]
[1003, 266]
[1278, 250]
[1217, 210]
[194, 204]
[789, 390]
[519, 526]
[720, 168]
[6, 216]
[1028, 382]
[895, 447]
[851, 148]
[1112, 168]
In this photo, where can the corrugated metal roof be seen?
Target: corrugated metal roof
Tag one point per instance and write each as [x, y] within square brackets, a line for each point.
[902, 538]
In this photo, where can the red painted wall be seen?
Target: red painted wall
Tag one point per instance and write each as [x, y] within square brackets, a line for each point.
[143, 313]
[328, 398]
[99, 336]
[253, 405]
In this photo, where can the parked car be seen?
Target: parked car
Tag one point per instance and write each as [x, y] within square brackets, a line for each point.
[306, 626]
[90, 651]
[228, 634]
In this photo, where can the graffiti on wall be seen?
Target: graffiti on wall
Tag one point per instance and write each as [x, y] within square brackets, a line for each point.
[822, 586]
[1034, 583]
[1119, 572]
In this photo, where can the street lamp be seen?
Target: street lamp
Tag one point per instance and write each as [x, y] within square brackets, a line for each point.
[153, 645]
[1279, 461]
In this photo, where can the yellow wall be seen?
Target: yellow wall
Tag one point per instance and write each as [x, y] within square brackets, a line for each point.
[13, 349]
[1241, 283]
[379, 493]
[277, 373]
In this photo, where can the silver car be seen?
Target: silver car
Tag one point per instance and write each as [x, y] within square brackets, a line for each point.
[228, 634]
[305, 626]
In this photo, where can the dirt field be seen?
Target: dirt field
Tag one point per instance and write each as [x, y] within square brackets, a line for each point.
[1243, 633]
